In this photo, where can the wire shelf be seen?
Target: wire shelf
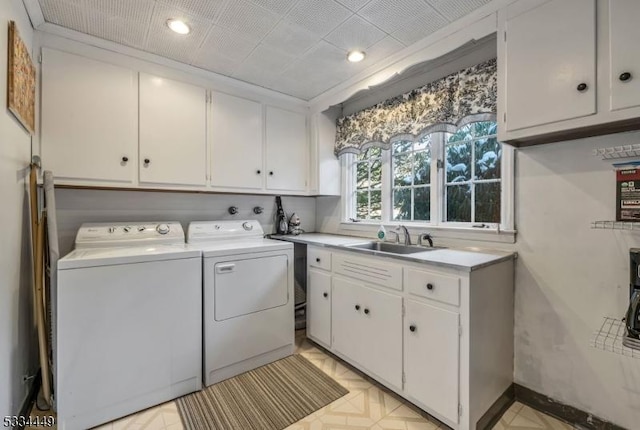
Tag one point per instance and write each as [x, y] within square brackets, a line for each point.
[610, 337]
[616, 225]
[618, 152]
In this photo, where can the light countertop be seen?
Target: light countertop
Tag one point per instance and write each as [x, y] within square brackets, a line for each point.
[456, 258]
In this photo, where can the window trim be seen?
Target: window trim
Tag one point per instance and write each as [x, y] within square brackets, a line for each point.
[507, 175]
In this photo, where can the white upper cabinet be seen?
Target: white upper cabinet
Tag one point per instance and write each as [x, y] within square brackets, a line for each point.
[89, 119]
[173, 143]
[287, 149]
[624, 41]
[236, 142]
[550, 63]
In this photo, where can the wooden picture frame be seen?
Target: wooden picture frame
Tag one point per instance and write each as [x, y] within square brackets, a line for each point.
[21, 81]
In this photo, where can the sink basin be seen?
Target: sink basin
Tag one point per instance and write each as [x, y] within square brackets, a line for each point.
[392, 248]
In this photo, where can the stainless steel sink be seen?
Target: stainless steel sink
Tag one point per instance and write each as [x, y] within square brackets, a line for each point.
[392, 248]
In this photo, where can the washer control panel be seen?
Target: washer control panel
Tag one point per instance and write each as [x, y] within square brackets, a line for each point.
[129, 234]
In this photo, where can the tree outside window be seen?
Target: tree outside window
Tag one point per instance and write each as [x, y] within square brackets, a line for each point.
[411, 167]
[368, 190]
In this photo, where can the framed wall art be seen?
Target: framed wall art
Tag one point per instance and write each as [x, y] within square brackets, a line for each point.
[21, 85]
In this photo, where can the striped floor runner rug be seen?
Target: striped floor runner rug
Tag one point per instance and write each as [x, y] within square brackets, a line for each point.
[271, 397]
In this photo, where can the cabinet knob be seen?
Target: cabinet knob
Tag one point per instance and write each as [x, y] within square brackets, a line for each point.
[366, 311]
[429, 286]
[357, 307]
[582, 87]
[147, 161]
[270, 173]
[318, 260]
[624, 77]
[412, 328]
[325, 295]
[125, 159]
[258, 171]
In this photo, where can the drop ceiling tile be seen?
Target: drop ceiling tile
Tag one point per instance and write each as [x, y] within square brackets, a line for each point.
[392, 15]
[256, 76]
[215, 62]
[248, 18]
[66, 13]
[267, 60]
[355, 33]
[318, 16]
[291, 38]
[180, 47]
[206, 9]
[454, 9]
[277, 6]
[227, 43]
[381, 50]
[121, 21]
[354, 5]
[420, 27]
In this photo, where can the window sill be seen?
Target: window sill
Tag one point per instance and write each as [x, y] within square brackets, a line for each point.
[438, 232]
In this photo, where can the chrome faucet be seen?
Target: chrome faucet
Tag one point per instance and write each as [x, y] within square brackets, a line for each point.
[397, 236]
[427, 237]
[407, 237]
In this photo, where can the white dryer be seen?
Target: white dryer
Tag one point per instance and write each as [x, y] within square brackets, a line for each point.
[248, 297]
[128, 322]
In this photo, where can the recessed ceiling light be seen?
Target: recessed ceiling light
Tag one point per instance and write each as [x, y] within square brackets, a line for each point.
[355, 56]
[178, 26]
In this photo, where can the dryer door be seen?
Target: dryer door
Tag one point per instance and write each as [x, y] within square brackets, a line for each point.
[245, 286]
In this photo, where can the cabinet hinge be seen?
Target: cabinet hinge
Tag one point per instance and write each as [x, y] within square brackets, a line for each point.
[505, 36]
[404, 312]
[504, 117]
[459, 409]
[40, 58]
[459, 330]
[404, 378]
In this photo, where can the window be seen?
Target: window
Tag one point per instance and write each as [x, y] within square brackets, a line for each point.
[440, 179]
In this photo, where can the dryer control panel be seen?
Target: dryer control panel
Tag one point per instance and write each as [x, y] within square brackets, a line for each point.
[207, 231]
[93, 235]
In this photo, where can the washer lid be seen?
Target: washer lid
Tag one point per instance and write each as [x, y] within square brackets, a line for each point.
[213, 231]
[92, 257]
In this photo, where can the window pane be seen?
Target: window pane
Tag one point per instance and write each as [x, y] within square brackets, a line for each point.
[362, 175]
[458, 157]
[402, 170]
[375, 152]
[463, 133]
[487, 198]
[422, 171]
[459, 203]
[488, 155]
[376, 205]
[402, 146]
[362, 204]
[424, 143]
[402, 204]
[376, 174]
[485, 128]
[421, 203]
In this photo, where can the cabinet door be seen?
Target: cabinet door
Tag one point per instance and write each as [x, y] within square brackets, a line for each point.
[625, 61]
[287, 150]
[173, 144]
[319, 306]
[431, 358]
[367, 327]
[236, 142]
[550, 52]
[89, 119]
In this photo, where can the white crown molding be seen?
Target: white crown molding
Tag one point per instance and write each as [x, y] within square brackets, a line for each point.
[55, 36]
[478, 24]
[34, 10]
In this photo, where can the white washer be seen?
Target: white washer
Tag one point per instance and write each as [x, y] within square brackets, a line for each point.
[128, 322]
[248, 297]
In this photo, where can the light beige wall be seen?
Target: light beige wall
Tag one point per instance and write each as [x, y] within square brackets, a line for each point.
[18, 350]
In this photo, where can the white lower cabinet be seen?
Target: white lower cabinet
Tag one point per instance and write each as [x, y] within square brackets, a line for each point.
[432, 357]
[370, 328]
[438, 336]
[319, 306]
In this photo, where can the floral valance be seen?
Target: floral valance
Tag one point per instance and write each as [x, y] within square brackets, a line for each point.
[443, 105]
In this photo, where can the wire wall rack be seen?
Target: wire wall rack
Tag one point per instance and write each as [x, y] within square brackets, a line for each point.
[616, 225]
[610, 337]
[618, 152]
